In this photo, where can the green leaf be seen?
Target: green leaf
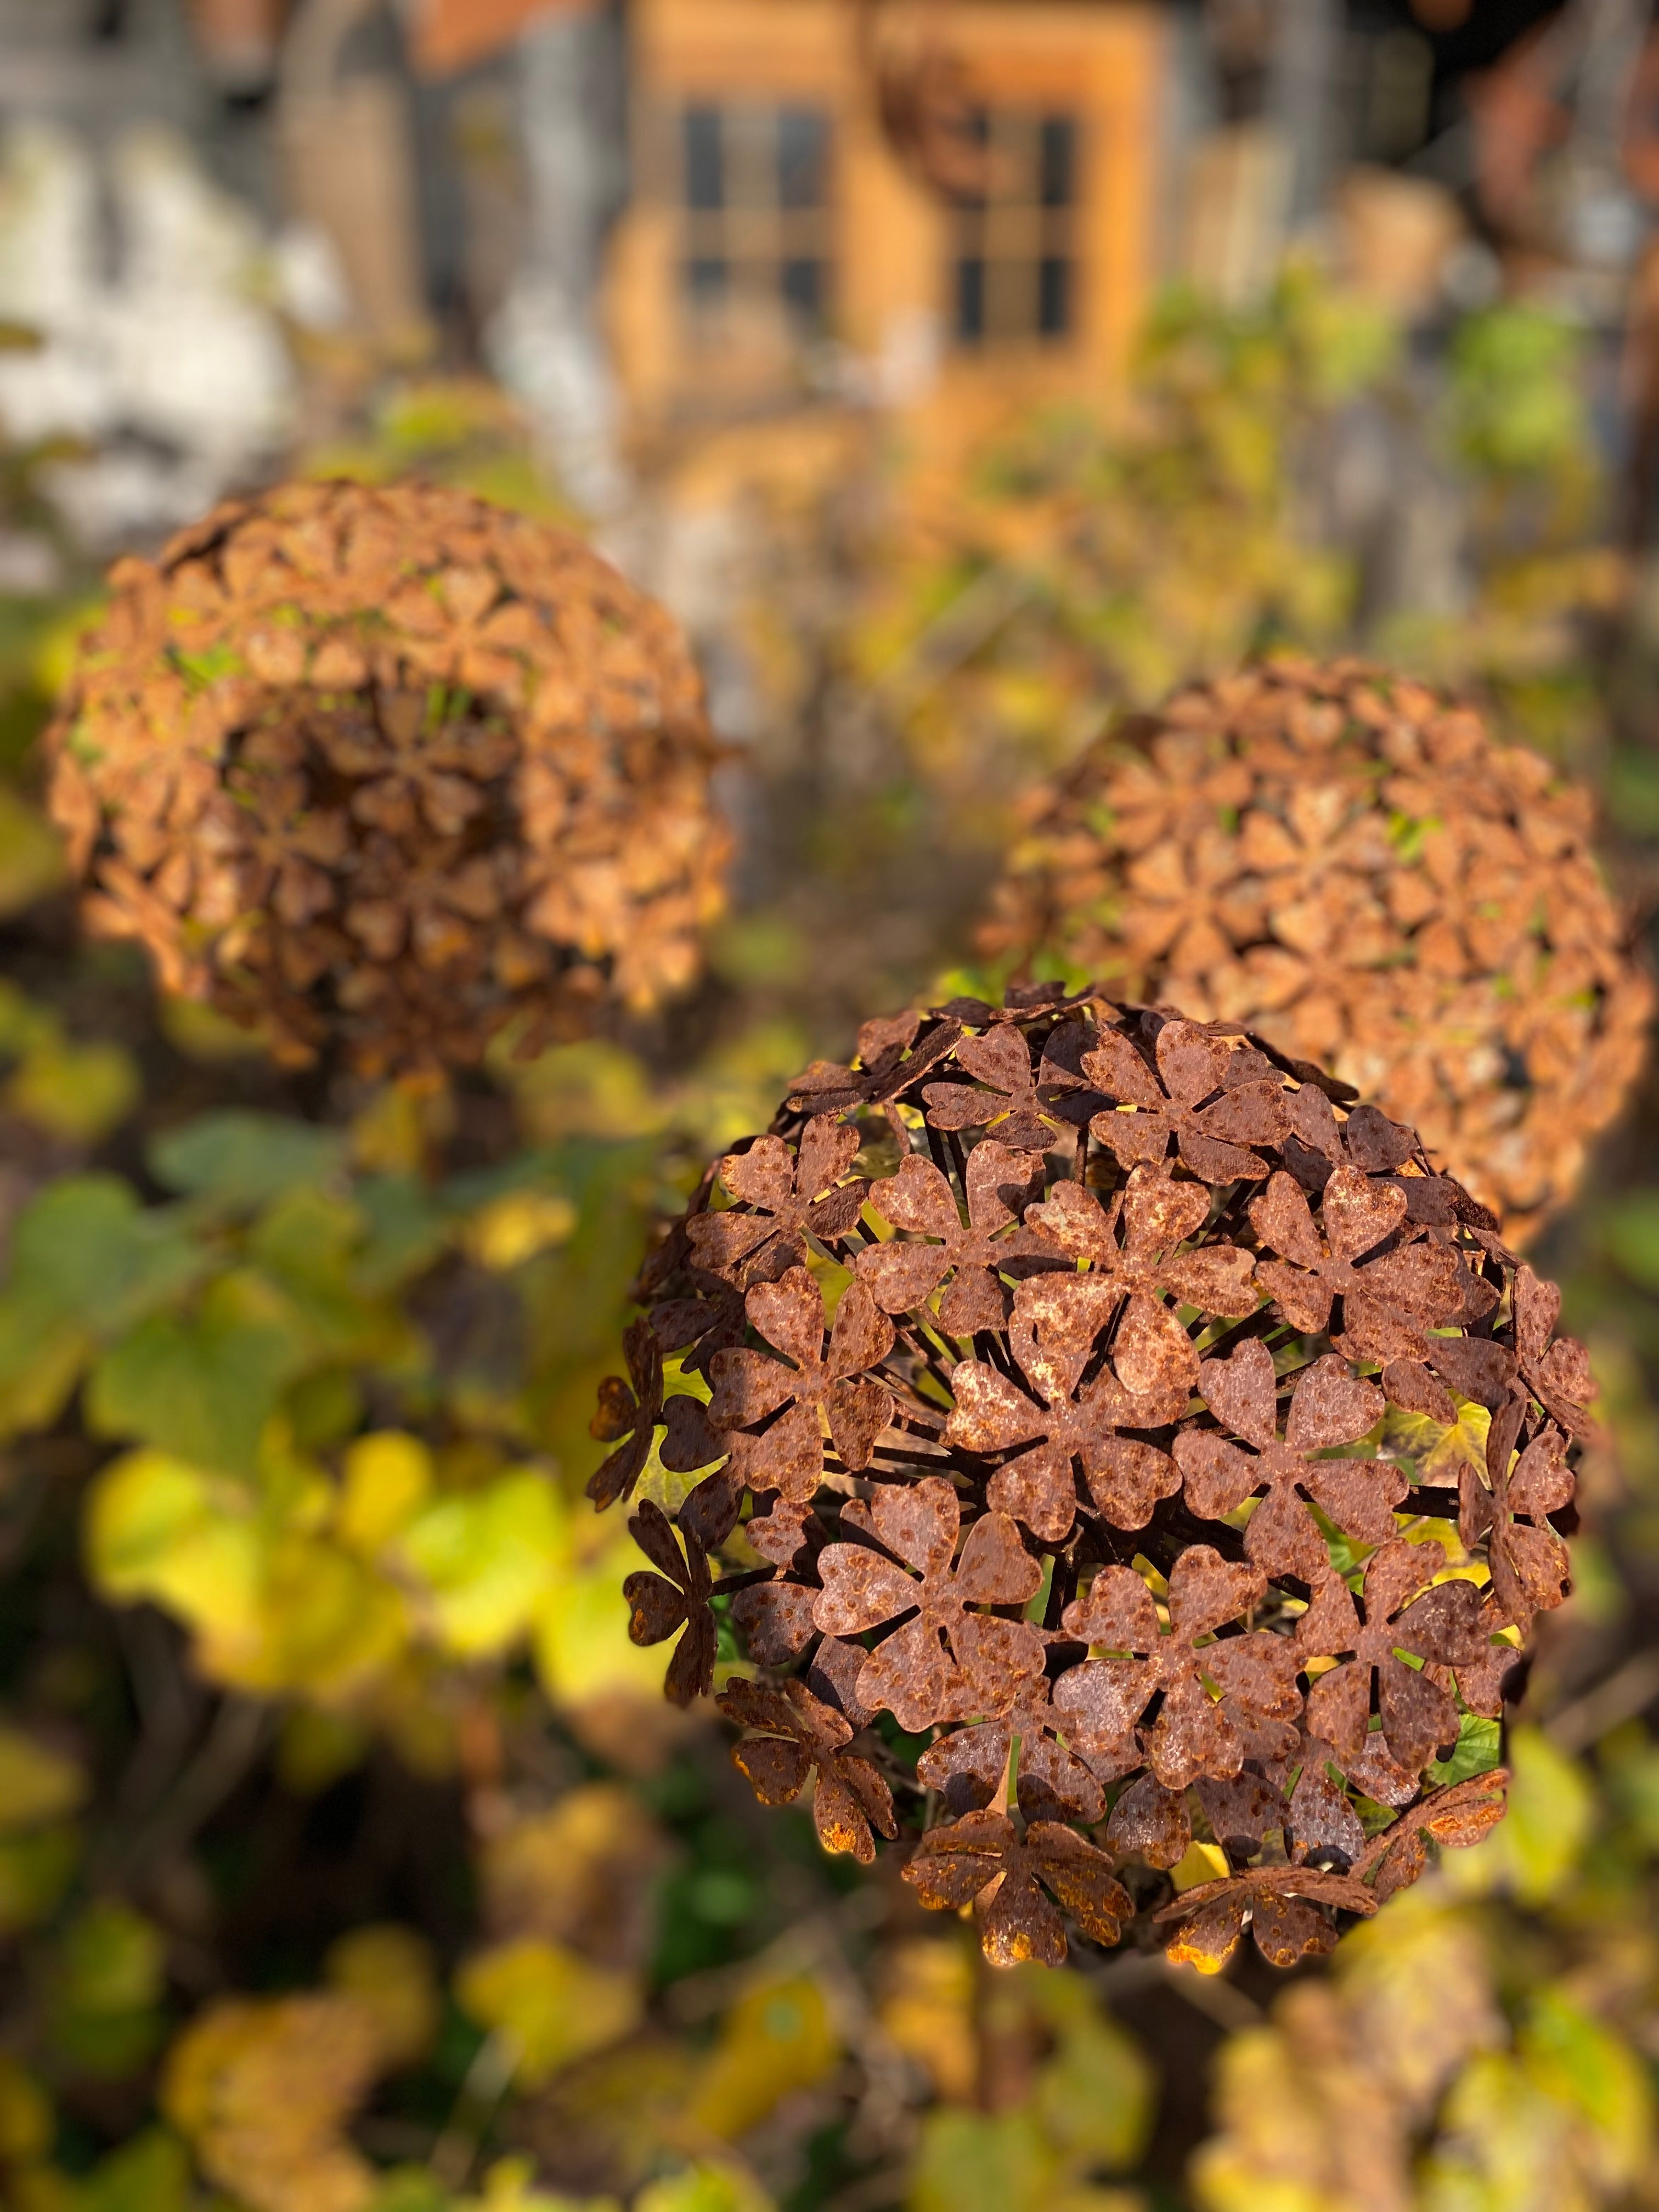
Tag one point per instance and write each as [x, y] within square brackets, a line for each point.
[203, 1388]
[405, 1232]
[1631, 1230]
[151, 2174]
[706, 2187]
[242, 1160]
[1584, 2065]
[103, 1993]
[85, 1250]
[1476, 1753]
[982, 2162]
[1095, 2095]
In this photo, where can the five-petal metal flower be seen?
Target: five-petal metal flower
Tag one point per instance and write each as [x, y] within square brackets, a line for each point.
[952, 1660]
[1048, 1779]
[1056, 1321]
[820, 1387]
[901, 1276]
[785, 1196]
[1529, 1561]
[1008, 1104]
[628, 1417]
[1102, 1701]
[1557, 1371]
[1457, 1816]
[1281, 1905]
[1389, 1303]
[1441, 1623]
[1146, 1264]
[984, 1861]
[675, 1598]
[793, 1735]
[1216, 1099]
[1329, 1407]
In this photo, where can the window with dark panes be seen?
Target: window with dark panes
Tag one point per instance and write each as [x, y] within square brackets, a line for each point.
[755, 214]
[1014, 247]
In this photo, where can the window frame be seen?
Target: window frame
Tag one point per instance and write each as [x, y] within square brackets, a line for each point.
[753, 232]
[1023, 248]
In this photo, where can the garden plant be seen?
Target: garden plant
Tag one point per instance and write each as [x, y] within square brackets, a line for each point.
[1099, 1471]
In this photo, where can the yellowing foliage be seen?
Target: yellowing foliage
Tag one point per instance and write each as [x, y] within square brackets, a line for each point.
[388, 1972]
[263, 2091]
[550, 2005]
[776, 2039]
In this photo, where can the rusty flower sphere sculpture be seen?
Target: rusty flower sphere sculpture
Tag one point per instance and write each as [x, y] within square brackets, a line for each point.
[1350, 864]
[1098, 1435]
[385, 769]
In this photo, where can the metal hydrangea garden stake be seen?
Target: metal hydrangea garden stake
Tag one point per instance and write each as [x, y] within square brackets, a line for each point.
[1098, 1430]
[1350, 864]
[379, 771]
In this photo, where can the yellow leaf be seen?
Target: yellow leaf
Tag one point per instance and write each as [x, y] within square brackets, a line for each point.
[583, 1651]
[79, 1092]
[706, 2187]
[36, 1784]
[1202, 1863]
[158, 1528]
[554, 2007]
[326, 1624]
[387, 1970]
[928, 2013]
[385, 1480]
[263, 2091]
[487, 1560]
[515, 1227]
[775, 2040]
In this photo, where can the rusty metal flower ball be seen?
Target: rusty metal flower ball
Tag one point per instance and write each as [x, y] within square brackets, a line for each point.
[384, 770]
[1350, 864]
[1119, 1465]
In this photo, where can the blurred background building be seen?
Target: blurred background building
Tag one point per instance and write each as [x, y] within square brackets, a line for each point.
[652, 221]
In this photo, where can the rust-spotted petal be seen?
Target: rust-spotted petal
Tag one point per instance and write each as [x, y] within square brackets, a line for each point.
[1241, 1391]
[860, 1590]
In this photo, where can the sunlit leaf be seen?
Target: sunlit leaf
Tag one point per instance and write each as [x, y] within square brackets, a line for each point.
[554, 2005]
[486, 1559]
[775, 2040]
[385, 1478]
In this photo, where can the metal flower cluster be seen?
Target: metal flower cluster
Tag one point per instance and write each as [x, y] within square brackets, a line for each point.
[385, 769]
[1349, 864]
[1092, 1434]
